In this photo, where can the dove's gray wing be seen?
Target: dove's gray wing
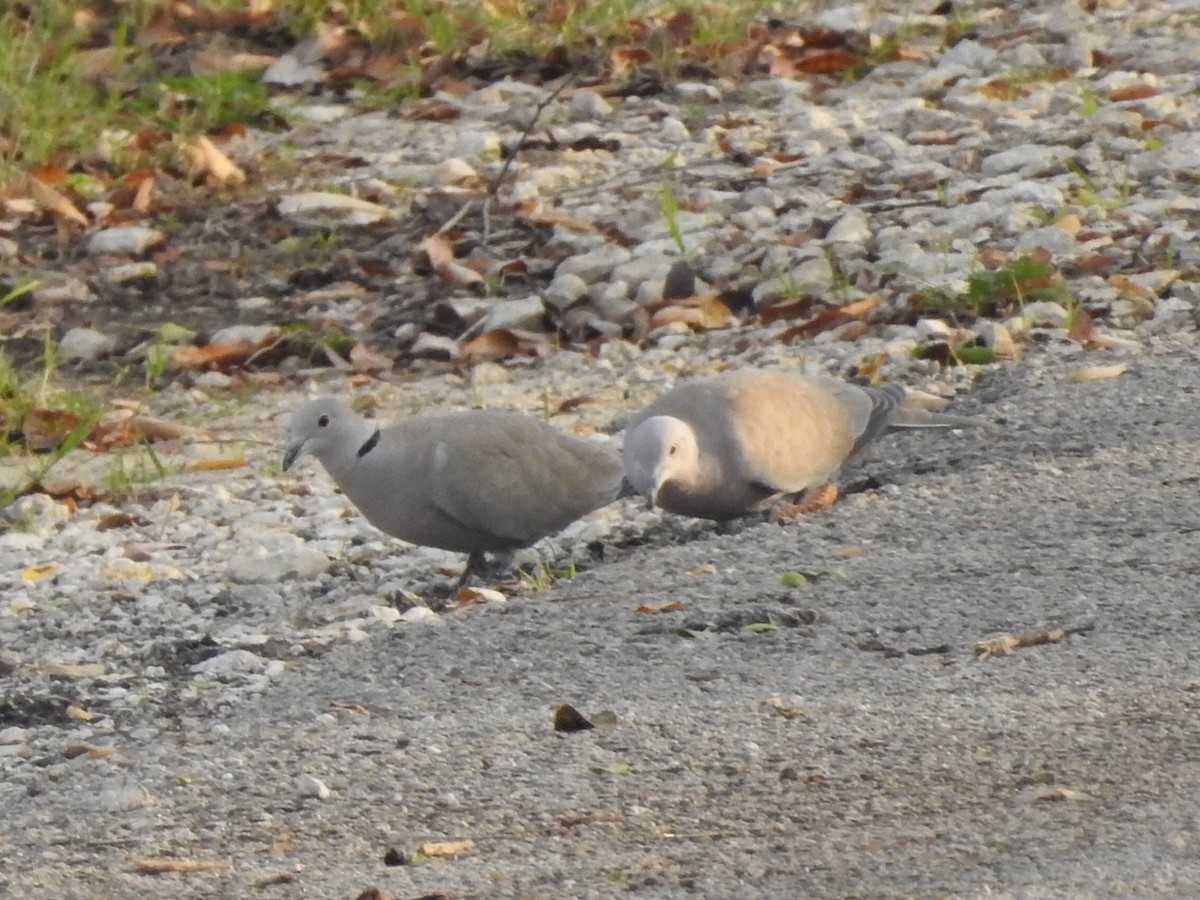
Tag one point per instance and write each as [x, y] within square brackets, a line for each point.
[516, 478]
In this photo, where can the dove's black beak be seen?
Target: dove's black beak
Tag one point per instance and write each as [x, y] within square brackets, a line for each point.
[291, 453]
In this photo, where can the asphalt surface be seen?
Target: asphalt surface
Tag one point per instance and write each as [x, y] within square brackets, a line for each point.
[841, 738]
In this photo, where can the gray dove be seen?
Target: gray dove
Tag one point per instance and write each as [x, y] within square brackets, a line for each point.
[725, 446]
[474, 482]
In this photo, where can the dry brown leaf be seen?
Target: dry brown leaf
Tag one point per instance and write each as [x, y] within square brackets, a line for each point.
[1053, 794]
[573, 403]
[852, 551]
[215, 465]
[1129, 288]
[1083, 328]
[538, 213]
[46, 429]
[477, 596]
[446, 848]
[364, 359]
[79, 714]
[1133, 92]
[432, 110]
[57, 202]
[161, 866]
[1097, 373]
[649, 608]
[1006, 644]
[124, 429]
[503, 343]
[208, 158]
[828, 319]
[439, 249]
[626, 58]
[781, 708]
[222, 356]
[118, 520]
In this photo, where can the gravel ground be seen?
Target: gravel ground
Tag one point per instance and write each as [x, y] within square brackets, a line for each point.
[228, 669]
[856, 746]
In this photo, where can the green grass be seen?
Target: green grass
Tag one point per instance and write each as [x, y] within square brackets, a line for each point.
[74, 82]
[1001, 291]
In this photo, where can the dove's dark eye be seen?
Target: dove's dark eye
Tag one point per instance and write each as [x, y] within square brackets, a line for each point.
[671, 450]
[323, 421]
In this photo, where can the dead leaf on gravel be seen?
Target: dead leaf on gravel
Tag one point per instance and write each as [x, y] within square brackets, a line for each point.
[161, 866]
[37, 573]
[212, 161]
[215, 465]
[1083, 329]
[780, 707]
[1133, 92]
[55, 201]
[698, 313]
[649, 608]
[364, 359]
[79, 714]
[439, 249]
[573, 403]
[432, 110]
[570, 720]
[446, 848]
[504, 343]
[124, 430]
[539, 214]
[118, 520]
[1048, 793]
[46, 429]
[1006, 644]
[477, 596]
[1097, 373]
[828, 319]
[221, 357]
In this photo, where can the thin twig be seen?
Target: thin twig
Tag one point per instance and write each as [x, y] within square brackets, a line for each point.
[494, 187]
[456, 218]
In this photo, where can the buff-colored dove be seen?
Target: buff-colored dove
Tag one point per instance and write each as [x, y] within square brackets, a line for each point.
[475, 482]
[725, 446]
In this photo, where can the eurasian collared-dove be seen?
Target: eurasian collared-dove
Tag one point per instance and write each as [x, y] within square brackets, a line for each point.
[474, 482]
[722, 447]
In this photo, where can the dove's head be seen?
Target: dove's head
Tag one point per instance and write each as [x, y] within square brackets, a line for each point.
[327, 429]
[658, 451]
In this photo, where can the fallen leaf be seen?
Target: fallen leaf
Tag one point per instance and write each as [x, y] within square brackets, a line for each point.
[37, 573]
[118, 520]
[703, 569]
[1006, 644]
[669, 606]
[446, 848]
[1133, 92]
[215, 465]
[568, 719]
[208, 158]
[160, 866]
[55, 201]
[779, 707]
[79, 714]
[1083, 328]
[477, 596]
[573, 403]
[1052, 794]
[1097, 373]
[364, 359]
[221, 356]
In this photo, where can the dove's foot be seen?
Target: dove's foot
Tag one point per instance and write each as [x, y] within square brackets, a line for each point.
[813, 501]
